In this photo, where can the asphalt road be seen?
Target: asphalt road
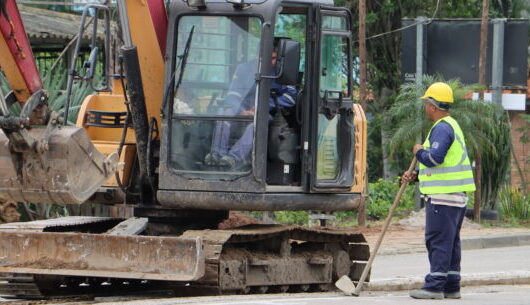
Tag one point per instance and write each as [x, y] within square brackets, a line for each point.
[473, 261]
[486, 295]
[494, 295]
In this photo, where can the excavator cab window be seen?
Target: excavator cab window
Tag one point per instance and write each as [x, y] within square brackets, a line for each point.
[293, 25]
[333, 136]
[283, 158]
[215, 94]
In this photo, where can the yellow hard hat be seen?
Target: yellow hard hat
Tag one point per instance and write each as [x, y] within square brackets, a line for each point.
[440, 92]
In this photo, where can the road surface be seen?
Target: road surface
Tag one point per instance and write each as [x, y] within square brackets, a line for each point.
[473, 261]
[494, 295]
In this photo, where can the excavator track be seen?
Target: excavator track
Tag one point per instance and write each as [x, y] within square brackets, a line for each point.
[32, 286]
[21, 285]
[250, 259]
[275, 258]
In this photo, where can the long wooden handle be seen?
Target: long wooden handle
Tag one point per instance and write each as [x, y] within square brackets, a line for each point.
[383, 232]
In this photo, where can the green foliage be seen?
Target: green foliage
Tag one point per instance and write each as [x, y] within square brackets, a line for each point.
[510, 9]
[384, 52]
[34, 211]
[55, 84]
[485, 125]
[382, 194]
[470, 200]
[292, 217]
[525, 139]
[375, 153]
[347, 218]
[514, 204]
[4, 86]
[59, 8]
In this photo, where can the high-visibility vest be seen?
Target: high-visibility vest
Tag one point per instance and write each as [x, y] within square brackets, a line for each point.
[455, 173]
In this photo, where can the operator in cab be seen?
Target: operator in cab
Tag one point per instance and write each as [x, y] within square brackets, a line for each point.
[240, 101]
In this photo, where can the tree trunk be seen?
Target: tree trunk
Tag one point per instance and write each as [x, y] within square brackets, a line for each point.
[361, 212]
[361, 216]
[483, 43]
[482, 81]
[362, 53]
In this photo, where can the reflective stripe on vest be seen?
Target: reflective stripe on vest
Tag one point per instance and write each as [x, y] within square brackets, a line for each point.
[447, 182]
[455, 173]
[445, 170]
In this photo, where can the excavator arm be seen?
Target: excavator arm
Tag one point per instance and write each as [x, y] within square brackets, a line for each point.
[16, 57]
[40, 160]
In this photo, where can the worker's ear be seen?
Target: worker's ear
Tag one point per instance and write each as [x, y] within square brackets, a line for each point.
[429, 107]
[288, 62]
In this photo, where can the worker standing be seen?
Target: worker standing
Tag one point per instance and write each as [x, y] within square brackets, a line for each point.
[445, 175]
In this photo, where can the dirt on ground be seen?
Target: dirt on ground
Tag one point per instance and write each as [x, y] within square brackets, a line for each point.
[404, 235]
[417, 220]
[237, 219]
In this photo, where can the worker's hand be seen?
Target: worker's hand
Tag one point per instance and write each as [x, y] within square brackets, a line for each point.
[409, 176]
[416, 148]
[247, 112]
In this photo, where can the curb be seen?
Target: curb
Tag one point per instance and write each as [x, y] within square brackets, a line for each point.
[496, 242]
[469, 279]
[474, 243]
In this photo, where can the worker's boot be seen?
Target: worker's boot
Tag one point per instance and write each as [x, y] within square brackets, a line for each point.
[426, 294]
[452, 295]
[212, 159]
[228, 161]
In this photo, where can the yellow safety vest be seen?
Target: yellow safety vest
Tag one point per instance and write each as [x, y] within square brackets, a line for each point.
[455, 173]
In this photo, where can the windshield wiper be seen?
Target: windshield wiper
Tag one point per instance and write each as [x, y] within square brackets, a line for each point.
[181, 64]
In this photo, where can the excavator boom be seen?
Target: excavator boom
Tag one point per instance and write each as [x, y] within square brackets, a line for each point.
[16, 57]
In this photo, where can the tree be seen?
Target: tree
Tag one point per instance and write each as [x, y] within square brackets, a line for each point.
[384, 55]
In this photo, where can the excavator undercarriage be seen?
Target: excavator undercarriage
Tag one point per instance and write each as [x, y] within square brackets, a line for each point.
[95, 260]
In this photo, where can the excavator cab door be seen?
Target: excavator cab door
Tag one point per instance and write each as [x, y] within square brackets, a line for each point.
[333, 139]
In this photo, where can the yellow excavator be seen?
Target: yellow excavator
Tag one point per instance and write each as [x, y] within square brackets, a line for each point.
[185, 128]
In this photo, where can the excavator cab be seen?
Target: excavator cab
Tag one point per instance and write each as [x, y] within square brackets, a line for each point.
[223, 131]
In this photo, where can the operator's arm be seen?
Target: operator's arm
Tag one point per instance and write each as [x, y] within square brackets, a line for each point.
[286, 96]
[441, 138]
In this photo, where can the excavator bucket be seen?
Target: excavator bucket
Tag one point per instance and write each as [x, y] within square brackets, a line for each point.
[67, 170]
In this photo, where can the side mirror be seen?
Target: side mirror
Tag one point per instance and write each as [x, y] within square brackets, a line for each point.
[288, 62]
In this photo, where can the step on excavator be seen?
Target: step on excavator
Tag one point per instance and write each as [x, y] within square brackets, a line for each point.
[193, 84]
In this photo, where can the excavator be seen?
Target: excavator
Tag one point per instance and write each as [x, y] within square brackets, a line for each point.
[189, 79]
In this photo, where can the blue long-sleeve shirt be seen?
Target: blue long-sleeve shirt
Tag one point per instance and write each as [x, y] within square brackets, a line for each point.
[242, 90]
[441, 138]
[286, 96]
